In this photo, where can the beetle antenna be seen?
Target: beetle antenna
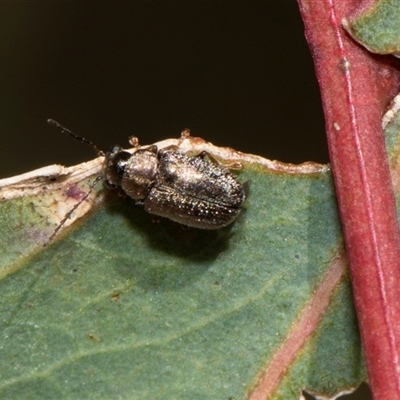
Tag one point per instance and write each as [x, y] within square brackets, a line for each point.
[70, 212]
[75, 136]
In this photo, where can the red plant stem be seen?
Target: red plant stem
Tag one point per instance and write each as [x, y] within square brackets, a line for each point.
[356, 86]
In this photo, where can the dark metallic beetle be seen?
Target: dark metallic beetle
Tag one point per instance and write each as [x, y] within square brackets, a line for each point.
[189, 190]
[194, 191]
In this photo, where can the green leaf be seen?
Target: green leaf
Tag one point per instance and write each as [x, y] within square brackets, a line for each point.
[377, 27]
[126, 307]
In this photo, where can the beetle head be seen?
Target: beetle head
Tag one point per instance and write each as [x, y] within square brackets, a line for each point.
[114, 166]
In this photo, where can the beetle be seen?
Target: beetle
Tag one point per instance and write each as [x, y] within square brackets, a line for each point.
[194, 191]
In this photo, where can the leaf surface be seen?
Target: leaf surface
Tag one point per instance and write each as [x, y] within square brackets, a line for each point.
[125, 307]
[376, 26]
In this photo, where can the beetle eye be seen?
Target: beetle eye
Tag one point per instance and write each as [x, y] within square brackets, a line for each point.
[109, 185]
[114, 166]
[119, 162]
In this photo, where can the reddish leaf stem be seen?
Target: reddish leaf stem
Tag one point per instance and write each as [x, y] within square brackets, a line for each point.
[356, 87]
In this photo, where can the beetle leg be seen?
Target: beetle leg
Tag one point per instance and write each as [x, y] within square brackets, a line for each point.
[246, 187]
[185, 133]
[153, 149]
[235, 165]
[205, 154]
[173, 147]
[134, 142]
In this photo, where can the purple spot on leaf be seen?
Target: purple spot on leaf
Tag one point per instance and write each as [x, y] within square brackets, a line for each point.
[75, 192]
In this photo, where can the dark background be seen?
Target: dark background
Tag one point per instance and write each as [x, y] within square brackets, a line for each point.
[237, 73]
